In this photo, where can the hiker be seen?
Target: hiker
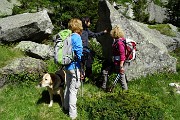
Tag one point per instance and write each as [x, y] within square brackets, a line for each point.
[73, 72]
[87, 53]
[118, 52]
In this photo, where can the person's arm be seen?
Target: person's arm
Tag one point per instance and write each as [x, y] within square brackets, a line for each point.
[122, 56]
[94, 35]
[78, 48]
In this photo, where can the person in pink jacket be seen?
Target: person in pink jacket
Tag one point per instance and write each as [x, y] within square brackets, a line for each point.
[118, 52]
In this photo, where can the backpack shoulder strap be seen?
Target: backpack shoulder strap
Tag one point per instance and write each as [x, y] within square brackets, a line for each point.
[115, 45]
[65, 33]
[123, 40]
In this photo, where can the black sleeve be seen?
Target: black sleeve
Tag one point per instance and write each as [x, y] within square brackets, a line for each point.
[94, 35]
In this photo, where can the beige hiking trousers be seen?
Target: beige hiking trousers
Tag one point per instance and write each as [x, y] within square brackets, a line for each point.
[70, 95]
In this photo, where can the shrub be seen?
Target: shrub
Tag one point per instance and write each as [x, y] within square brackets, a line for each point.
[139, 10]
[96, 49]
[51, 66]
[123, 105]
[24, 78]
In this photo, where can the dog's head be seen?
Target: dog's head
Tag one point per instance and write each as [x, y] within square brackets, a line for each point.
[46, 81]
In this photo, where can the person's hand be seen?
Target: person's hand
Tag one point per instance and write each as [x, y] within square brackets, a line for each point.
[82, 75]
[121, 70]
[105, 31]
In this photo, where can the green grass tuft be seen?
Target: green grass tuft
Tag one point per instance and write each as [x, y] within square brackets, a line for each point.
[163, 29]
[8, 54]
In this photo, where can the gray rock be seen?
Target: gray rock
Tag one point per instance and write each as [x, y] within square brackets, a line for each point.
[34, 26]
[3, 79]
[23, 65]
[5, 8]
[36, 50]
[152, 54]
[156, 13]
[130, 12]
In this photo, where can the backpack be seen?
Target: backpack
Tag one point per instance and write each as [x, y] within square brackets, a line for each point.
[63, 54]
[130, 49]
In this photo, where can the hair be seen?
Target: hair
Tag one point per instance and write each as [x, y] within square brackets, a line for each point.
[84, 21]
[117, 32]
[75, 25]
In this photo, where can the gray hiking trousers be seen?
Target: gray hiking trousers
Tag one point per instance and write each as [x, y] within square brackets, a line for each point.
[122, 79]
[71, 90]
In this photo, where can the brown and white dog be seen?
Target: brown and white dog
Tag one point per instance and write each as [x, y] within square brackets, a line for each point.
[55, 84]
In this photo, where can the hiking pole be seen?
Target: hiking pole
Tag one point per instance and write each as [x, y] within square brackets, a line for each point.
[115, 82]
[81, 88]
[82, 72]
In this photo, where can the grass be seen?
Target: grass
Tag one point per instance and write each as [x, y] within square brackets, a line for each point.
[157, 85]
[24, 101]
[163, 29]
[7, 54]
[27, 102]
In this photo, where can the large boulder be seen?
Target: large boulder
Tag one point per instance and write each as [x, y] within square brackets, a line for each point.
[24, 65]
[152, 54]
[5, 8]
[156, 13]
[36, 50]
[27, 26]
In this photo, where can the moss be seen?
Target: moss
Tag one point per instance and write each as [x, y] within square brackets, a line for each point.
[163, 29]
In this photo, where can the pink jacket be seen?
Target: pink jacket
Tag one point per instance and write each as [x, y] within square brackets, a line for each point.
[118, 49]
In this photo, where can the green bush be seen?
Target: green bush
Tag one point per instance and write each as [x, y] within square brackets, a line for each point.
[123, 106]
[139, 10]
[96, 48]
[25, 78]
[51, 66]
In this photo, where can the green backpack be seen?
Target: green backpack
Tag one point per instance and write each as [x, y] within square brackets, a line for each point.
[63, 53]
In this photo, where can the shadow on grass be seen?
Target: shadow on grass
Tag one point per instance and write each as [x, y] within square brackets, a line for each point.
[46, 99]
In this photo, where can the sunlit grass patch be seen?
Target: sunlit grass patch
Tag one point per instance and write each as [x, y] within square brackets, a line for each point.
[8, 54]
[163, 29]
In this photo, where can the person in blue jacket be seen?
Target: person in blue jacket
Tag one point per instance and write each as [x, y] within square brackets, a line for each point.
[73, 70]
[87, 53]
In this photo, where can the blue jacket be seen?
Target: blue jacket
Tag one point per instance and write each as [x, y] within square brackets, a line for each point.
[86, 34]
[78, 49]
